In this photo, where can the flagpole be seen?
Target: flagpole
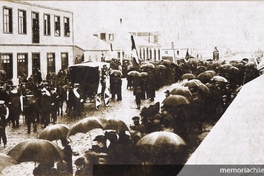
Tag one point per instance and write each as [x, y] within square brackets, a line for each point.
[121, 54]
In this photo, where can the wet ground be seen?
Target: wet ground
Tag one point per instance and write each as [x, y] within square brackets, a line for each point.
[124, 110]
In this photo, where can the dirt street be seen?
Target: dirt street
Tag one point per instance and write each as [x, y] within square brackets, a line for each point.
[123, 110]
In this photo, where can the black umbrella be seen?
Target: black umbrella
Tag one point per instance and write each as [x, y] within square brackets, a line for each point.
[175, 100]
[117, 73]
[134, 73]
[162, 148]
[37, 150]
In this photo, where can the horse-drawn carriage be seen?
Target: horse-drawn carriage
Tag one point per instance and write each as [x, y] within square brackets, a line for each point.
[89, 75]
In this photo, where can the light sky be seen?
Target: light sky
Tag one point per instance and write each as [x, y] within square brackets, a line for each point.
[233, 24]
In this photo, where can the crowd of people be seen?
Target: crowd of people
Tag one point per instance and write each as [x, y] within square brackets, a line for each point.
[40, 101]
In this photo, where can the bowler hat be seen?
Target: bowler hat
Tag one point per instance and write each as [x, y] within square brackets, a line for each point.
[100, 138]
[135, 118]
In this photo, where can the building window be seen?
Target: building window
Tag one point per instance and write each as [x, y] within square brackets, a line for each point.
[166, 52]
[35, 27]
[111, 37]
[147, 53]
[8, 22]
[102, 36]
[51, 62]
[57, 26]
[118, 54]
[156, 39]
[46, 24]
[144, 52]
[64, 60]
[22, 22]
[7, 65]
[158, 54]
[22, 65]
[150, 53]
[66, 27]
[155, 55]
[35, 62]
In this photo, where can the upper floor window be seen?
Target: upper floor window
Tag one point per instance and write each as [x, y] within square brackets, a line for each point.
[8, 22]
[46, 24]
[102, 36]
[57, 26]
[66, 27]
[22, 22]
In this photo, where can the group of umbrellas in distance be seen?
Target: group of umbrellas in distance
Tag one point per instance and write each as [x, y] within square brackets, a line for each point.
[43, 150]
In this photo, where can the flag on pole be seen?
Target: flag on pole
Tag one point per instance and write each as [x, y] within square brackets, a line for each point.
[134, 51]
[187, 56]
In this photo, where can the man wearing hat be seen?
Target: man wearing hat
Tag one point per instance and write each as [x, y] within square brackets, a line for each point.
[14, 106]
[101, 144]
[54, 104]
[77, 100]
[136, 126]
[4, 113]
[67, 150]
[45, 107]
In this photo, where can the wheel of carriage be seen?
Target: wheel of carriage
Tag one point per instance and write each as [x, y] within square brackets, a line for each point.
[106, 98]
[97, 100]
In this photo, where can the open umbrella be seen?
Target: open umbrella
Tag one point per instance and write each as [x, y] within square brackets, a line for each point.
[37, 150]
[226, 66]
[234, 70]
[161, 67]
[6, 161]
[148, 65]
[212, 72]
[116, 73]
[87, 124]
[191, 83]
[175, 100]
[250, 64]
[133, 73]
[162, 147]
[220, 79]
[180, 90]
[205, 77]
[67, 86]
[188, 76]
[115, 124]
[54, 132]
[166, 62]
[143, 74]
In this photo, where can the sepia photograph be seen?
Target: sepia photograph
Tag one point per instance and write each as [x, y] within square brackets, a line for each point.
[131, 88]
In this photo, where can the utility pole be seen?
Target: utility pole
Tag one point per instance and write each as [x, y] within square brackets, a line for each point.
[174, 57]
[121, 54]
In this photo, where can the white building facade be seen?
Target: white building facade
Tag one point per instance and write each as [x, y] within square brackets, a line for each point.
[34, 37]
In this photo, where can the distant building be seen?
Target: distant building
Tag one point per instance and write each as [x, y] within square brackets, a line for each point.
[34, 37]
[120, 44]
[92, 50]
[150, 49]
[174, 53]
